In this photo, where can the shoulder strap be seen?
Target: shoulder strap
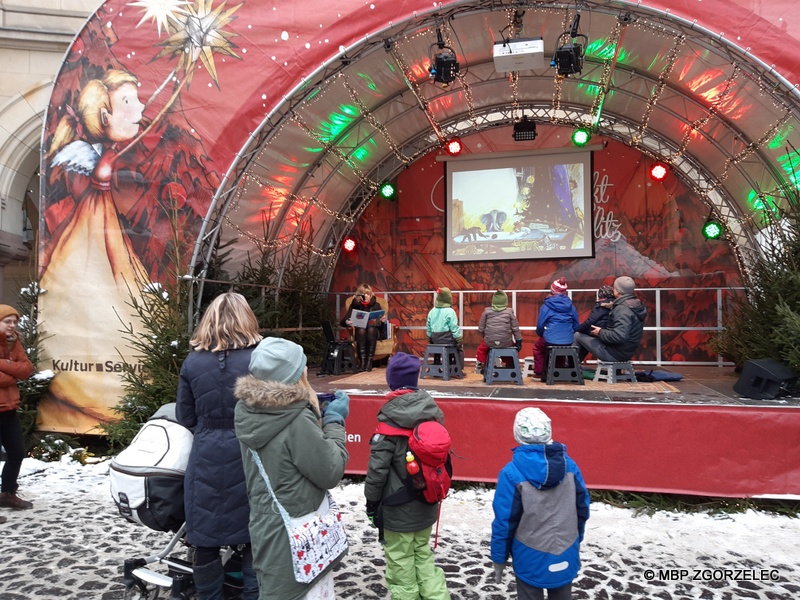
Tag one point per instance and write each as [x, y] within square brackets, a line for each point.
[386, 429]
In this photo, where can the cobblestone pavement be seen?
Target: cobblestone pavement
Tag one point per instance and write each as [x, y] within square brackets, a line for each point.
[73, 543]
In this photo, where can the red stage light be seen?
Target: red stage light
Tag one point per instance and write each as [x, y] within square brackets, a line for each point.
[453, 147]
[658, 172]
[349, 244]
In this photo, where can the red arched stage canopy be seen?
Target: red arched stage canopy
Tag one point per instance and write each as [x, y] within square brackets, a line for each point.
[174, 125]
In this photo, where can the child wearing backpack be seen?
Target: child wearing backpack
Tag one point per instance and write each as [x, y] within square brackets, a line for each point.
[405, 519]
[541, 506]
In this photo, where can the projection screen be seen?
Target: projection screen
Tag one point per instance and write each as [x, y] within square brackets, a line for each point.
[511, 206]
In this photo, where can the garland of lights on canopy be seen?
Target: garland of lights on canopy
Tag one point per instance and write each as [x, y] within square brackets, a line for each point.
[719, 117]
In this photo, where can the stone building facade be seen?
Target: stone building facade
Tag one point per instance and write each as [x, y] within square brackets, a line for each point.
[34, 36]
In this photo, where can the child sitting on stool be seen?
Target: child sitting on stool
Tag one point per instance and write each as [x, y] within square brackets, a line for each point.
[499, 328]
[442, 324]
[599, 314]
[556, 325]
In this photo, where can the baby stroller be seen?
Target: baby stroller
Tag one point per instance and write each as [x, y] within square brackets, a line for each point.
[147, 487]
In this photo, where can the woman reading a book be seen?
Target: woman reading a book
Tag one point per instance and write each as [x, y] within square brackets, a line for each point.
[366, 335]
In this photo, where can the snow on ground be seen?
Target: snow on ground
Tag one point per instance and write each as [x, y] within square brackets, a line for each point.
[73, 543]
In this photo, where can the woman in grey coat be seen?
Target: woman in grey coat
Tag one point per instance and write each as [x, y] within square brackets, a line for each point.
[215, 495]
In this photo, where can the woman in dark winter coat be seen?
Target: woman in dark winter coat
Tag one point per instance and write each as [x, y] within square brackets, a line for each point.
[366, 337]
[301, 450]
[215, 495]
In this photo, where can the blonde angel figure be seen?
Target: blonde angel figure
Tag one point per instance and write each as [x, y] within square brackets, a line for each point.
[94, 246]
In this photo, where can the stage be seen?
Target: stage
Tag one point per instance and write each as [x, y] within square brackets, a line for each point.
[694, 436]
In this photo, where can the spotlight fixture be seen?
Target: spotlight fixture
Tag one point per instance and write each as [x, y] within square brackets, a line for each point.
[524, 130]
[713, 229]
[349, 244]
[658, 171]
[387, 190]
[444, 65]
[568, 58]
[453, 146]
[581, 136]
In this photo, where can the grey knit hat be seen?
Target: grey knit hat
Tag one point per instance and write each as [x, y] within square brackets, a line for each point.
[624, 285]
[532, 426]
[276, 359]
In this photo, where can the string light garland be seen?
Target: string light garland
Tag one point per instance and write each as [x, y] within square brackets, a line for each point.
[708, 189]
[711, 112]
[370, 118]
[753, 146]
[671, 58]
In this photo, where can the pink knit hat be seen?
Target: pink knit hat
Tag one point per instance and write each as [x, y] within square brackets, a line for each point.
[559, 286]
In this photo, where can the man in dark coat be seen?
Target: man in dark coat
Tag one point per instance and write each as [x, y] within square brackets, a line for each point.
[619, 340]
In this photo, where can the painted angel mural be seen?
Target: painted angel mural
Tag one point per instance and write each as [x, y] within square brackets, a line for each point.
[105, 215]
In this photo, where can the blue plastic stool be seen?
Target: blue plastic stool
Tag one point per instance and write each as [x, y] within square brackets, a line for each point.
[450, 363]
[492, 373]
[570, 372]
[612, 372]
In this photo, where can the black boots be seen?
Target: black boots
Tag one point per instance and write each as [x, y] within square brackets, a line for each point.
[362, 357]
[370, 353]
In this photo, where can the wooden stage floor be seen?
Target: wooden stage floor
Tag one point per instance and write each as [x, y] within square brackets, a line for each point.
[700, 385]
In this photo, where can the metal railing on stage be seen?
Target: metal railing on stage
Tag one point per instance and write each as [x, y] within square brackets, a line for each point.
[679, 321]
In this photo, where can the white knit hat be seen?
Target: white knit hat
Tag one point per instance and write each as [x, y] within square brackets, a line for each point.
[532, 426]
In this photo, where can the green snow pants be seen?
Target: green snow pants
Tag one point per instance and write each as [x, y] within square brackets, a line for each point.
[410, 572]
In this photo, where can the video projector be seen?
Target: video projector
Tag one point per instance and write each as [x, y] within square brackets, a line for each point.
[519, 54]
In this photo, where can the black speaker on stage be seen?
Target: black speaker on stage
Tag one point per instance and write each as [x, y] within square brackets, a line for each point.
[764, 379]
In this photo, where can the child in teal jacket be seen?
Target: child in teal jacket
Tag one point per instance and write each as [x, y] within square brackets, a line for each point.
[442, 324]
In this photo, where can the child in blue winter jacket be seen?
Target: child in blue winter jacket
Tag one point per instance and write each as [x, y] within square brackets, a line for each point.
[556, 325]
[541, 506]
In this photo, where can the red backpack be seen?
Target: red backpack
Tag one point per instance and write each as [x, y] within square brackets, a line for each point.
[430, 445]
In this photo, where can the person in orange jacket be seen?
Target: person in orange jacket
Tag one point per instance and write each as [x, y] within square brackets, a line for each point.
[14, 366]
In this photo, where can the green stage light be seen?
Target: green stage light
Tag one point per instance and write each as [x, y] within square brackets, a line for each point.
[712, 230]
[581, 136]
[387, 190]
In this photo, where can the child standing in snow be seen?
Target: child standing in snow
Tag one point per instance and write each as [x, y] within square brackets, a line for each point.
[410, 570]
[541, 506]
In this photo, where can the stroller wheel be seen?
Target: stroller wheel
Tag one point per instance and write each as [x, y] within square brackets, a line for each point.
[141, 592]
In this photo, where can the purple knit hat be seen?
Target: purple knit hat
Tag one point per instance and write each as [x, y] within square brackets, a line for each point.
[403, 371]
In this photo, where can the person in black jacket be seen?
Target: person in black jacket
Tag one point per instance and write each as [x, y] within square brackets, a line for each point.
[599, 314]
[366, 337]
[215, 493]
[619, 340]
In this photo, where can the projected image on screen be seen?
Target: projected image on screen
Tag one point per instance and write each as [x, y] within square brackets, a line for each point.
[519, 207]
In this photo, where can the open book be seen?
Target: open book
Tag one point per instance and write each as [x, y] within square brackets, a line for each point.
[362, 318]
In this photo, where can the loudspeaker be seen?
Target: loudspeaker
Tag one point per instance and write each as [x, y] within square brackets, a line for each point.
[764, 379]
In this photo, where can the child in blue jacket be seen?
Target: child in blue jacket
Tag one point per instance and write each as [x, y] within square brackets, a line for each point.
[541, 506]
[556, 325]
